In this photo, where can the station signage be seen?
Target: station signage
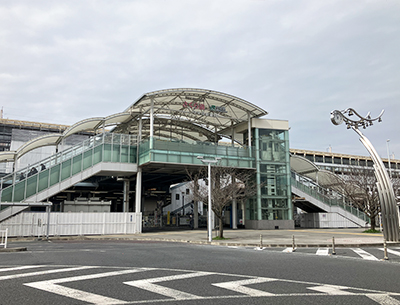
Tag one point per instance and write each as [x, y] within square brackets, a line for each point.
[202, 107]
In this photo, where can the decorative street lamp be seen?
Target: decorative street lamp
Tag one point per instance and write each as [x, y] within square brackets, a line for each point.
[209, 162]
[389, 209]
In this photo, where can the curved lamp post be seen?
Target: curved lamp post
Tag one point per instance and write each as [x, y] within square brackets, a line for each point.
[389, 209]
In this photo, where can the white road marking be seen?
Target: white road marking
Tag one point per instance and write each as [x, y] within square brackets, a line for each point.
[51, 286]
[365, 254]
[75, 293]
[147, 284]
[238, 286]
[391, 251]
[380, 297]
[322, 251]
[7, 277]
[288, 250]
[18, 268]
[331, 289]
[383, 299]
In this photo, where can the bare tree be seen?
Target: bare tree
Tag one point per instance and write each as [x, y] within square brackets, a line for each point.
[227, 184]
[359, 186]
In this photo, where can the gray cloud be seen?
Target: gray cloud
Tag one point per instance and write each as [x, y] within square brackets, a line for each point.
[62, 62]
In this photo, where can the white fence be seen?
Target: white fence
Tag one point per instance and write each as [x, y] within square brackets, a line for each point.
[4, 234]
[326, 220]
[63, 224]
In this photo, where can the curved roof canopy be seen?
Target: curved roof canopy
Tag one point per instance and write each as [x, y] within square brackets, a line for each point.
[308, 169]
[196, 114]
[91, 124]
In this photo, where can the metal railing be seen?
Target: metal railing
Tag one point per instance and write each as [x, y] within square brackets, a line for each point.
[107, 147]
[326, 196]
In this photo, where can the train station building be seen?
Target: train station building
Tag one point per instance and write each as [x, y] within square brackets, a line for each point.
[128, 161]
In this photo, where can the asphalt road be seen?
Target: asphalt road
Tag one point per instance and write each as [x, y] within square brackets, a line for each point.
[146, 272]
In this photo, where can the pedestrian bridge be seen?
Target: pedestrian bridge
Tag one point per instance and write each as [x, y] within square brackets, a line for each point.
[111, 154]
[119, 155]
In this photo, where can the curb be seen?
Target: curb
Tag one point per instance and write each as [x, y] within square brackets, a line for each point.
[231, 244]
[200, 242]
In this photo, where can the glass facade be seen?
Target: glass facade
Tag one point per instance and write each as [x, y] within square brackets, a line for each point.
[273, 176]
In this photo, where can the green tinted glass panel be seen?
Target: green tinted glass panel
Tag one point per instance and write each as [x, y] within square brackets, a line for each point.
[125, 154]
[173, 158]
[87, 159]
[19, 191]
[187, 159]
[66, 170]
[97, 155]
[107, 153]
[6, 194]
[133, 154]
[76, 164]
[54, 174]
[31, 186]
[116, 150]
[43, 179]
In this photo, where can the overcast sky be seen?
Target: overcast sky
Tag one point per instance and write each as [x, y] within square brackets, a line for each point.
[64, 61]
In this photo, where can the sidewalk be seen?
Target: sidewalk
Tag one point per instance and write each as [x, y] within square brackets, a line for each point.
[270, 238]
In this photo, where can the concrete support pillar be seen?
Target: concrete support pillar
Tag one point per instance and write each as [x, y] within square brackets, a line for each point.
[249, 134]
[243, 213]
[138, 194]
[152, 118]
[234, 214]
[258, 175]
[126, 195]
[151, 124]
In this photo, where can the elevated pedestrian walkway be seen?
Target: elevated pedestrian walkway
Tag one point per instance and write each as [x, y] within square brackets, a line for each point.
[108, 154]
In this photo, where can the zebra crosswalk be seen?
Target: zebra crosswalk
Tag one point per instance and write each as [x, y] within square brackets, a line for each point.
[137, 285]
[370, 254]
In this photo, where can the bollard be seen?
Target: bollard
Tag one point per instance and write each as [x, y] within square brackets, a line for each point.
[385, 255]
[333, 246]
[293, 244]
[261, 243]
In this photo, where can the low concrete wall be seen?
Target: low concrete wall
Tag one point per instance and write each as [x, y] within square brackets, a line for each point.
[269, 224]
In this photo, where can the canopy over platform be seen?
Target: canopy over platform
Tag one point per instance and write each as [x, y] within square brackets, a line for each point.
[308, 169]
[91, 124]
[188, 114]
[183, 114]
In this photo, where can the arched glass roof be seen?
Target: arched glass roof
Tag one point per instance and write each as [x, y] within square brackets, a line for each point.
[91, 124]
[196, 114]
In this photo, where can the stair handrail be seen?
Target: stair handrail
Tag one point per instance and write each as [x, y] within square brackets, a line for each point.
[337, 200]
[93, 141]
